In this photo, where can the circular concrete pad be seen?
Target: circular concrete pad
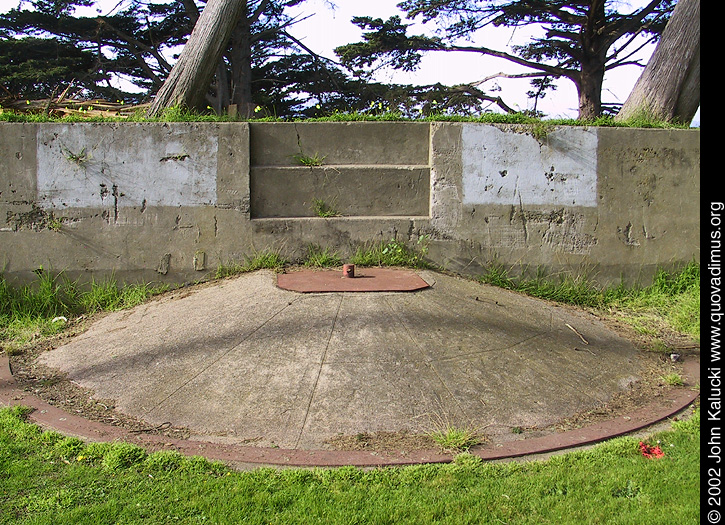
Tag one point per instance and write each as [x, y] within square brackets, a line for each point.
[242, 361]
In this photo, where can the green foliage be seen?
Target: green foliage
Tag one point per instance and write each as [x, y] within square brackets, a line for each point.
[392, 253]
[454, 439]
[108, 296]
[123, 455]
[68, 448]
[673, 298]
[164, 461]
[266, 259]
[43, 307]
[32, 68]
[689, 426]
[318, 257]
[385, 39]
[120, 483]
[306, 160]
[569, 48]
[673, 379]
[536, 126]
[322, 209]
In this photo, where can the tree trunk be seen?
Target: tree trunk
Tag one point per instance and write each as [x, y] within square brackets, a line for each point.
[241, 62]
[190, 77]
[222, 98]
[589, 88]
[669, 87]
[592, 59]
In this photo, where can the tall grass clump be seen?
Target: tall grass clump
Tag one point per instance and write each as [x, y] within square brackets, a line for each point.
[263, 260]
[318, 257]
[673, 298]
[392, 253]
[43, 307]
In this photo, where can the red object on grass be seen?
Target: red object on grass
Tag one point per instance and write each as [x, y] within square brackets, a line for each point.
[649, 451]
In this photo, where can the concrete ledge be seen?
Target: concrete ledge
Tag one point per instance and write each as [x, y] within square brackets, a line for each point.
[276, 143]
[350, 190]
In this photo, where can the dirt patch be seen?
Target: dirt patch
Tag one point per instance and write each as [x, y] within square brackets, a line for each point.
[663, 352]
[648, 389]
[403, 441]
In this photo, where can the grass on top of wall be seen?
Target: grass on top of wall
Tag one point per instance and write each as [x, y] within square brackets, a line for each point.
[177, 114]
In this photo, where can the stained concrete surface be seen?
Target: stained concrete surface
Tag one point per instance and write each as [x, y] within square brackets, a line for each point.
[243, 361]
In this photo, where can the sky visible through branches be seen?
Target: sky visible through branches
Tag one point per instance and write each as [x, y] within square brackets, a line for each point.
[326, 24]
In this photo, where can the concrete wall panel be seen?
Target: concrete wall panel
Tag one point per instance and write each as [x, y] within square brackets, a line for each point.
[503, 167]
[340, 143]
[120, 165]
[351, 191]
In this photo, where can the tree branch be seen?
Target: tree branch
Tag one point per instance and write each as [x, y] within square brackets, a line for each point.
[552, 70]
[136, 43]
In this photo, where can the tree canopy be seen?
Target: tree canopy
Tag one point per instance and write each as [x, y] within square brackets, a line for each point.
[262, 69]
[581, 41]
[262, 63]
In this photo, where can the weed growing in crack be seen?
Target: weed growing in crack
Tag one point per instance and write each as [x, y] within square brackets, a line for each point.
[79, 158]
[322, 209]
[307, 160]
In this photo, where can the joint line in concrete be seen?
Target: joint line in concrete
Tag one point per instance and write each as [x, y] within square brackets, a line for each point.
[319, 372]
[224, 354]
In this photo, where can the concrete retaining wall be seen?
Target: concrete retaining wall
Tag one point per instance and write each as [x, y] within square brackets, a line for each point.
[171, 201]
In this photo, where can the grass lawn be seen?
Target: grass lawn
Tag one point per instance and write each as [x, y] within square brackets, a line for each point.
[47, 478]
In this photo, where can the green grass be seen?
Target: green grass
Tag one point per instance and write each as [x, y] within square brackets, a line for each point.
[673, 379]
[323, 209]
[266, 259]
[392, 253]
[672, 300]
[42, 308]
[454, 439]
[318, 257]
[307, 160]
[48, 478]
[177, 114]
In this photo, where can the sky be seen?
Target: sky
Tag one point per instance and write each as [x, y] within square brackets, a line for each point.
[328, 28]
[327, 24]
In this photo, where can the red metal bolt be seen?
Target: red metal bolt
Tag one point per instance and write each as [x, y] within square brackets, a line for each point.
[348, 270]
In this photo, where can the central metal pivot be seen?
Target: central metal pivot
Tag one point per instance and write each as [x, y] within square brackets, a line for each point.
[348, 270]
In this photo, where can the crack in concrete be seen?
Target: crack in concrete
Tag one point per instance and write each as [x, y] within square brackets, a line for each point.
[427, 362]
[319, 373]
[221, 356]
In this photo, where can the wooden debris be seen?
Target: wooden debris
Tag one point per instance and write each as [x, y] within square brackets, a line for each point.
[61, 106]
